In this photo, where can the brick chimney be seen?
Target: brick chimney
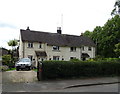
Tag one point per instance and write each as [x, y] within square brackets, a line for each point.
[59, 31]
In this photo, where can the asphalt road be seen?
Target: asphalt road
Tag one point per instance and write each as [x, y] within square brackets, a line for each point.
[37, 87]
[25, 81]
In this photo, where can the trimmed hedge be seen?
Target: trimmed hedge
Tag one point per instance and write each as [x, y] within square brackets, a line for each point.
[69, 69]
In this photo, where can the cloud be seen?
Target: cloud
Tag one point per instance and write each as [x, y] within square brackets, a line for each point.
[7, 25]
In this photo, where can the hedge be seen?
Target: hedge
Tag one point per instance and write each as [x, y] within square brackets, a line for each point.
[69, 69]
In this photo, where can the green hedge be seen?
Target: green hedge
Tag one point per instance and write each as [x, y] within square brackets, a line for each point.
[69, 69]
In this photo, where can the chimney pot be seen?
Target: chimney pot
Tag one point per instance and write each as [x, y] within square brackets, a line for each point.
[28, 28]
[59, 31]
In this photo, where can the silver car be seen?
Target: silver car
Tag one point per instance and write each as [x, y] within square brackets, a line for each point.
[24, 63]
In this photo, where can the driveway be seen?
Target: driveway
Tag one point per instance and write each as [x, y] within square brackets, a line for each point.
[19, 76]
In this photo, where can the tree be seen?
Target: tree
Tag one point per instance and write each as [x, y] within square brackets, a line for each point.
[87, 33]
[13, 43]
[116, 10]
[117, 49]
[106, 37]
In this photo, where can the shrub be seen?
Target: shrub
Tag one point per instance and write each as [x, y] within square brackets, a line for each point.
[6, 60]
[69, 69]
[4, 68]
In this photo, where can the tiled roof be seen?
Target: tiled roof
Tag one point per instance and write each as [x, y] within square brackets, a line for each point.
[55, 38]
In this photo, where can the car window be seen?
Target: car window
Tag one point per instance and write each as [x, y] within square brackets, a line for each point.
[24, 60]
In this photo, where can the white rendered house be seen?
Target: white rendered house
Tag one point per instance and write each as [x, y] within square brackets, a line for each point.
[38, 45]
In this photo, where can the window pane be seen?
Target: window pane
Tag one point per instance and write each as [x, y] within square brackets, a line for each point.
[55, 47]
[72, 48]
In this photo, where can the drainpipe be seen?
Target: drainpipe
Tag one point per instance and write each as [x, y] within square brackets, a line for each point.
[23, 49]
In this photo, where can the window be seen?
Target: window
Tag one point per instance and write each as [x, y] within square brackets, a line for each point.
[40, 45]
[55, 47]
[83, 48]
[55, 57]
[72, 58]
[30, 45]
[30, 57]
[72, 49]
[89, 48]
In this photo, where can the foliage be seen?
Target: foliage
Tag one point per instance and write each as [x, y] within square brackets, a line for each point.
[74, 60]
[106, 37]
[117, 49]
[4, 67]
[7, 60]
[70, 69]
[10, 69]
[116, 9]
[13, 43]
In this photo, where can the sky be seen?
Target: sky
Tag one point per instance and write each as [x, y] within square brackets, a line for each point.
[74, 16]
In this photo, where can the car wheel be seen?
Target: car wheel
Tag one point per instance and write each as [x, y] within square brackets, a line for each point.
[17, 69]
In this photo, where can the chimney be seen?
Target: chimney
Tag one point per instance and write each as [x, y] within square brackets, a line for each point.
[59, 31]
[28, 28]
[82, 34]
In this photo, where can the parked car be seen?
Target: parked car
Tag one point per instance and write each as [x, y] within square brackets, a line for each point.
[24, 63]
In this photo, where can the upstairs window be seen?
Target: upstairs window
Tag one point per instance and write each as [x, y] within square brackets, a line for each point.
[55, 47]
[72, 49]
[82, 48]
[89, 48]
[40, 45]
[30, 45]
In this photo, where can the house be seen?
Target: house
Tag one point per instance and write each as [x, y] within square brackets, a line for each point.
[40, 46]
[3, 52]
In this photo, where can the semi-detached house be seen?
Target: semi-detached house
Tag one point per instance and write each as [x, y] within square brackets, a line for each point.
[39, 46]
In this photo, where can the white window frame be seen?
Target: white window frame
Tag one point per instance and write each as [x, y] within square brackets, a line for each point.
[56, 48]
[56, 57]
[83, 48]
[89, 48]
[30, 44]
[40, 46]
[72, 57]
[73, 49]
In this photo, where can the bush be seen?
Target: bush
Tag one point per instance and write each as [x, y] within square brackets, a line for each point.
[4, 68]
[6, 60]
[69, 69]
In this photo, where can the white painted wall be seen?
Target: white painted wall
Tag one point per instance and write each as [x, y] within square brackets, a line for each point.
[64, 52]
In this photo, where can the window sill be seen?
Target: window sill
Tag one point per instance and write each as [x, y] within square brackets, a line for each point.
[73, 51]
[30, 47]
[56, 50]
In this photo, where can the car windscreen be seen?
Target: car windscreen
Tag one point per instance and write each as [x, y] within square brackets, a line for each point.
[24, 60]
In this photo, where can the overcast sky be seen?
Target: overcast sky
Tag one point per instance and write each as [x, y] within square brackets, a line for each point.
[75, 16]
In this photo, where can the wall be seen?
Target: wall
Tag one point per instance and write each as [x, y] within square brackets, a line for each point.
[63, 52]
[90, 53]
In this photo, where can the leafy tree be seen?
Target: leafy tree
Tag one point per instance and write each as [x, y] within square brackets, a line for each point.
[106, 37]
[87, 33]
[116, 9]
[13, 43]
[6, 59]
[117, 49]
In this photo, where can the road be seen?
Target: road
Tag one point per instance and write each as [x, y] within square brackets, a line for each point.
[37, 87]
[25, 81]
